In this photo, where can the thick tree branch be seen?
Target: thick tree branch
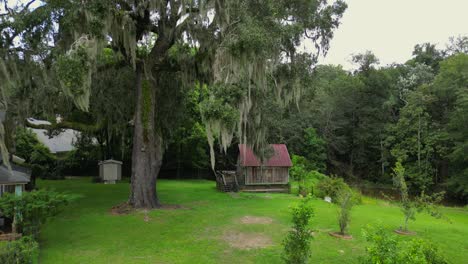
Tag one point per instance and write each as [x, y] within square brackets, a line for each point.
[26, 7]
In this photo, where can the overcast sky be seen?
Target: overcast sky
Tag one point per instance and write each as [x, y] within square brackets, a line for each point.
[391, 28]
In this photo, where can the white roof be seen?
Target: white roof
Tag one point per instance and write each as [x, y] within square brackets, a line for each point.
[34, 121]
[62, 142]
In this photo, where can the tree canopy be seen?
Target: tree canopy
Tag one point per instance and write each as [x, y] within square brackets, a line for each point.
[241, 50]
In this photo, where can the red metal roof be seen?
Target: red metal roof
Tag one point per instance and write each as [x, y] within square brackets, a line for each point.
[279, 159]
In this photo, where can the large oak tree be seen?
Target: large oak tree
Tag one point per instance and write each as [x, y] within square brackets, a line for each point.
[239, 50]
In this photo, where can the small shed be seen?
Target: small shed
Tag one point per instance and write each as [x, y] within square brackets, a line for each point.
[110, 171]
[271, 175]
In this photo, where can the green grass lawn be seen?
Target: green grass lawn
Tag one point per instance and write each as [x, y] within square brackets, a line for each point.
[87, 233]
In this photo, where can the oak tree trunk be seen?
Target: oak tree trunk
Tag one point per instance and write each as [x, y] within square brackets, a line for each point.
[147, 147]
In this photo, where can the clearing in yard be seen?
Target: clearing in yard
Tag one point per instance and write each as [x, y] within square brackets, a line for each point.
[208, 226]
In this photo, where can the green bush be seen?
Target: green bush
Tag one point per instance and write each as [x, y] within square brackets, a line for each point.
[331, 186]
[297, 242]
[309, 182]
[388, 249]
[32, 209]
[25, 141]
[41, 155]
[299, 168]
[21, 251]
[306, 179]
[43, 163]
[383, 248]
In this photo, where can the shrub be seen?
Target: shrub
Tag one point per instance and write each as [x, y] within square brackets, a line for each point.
[383, 248]
[345, 201]
[24, 251]
[30, 210]
[41, 155]
[315, 176]
[50, 166]
[388, 249]
[297, 242]
[331, 186]
[25, 141]
[307, 179]
[421, 251]
[299, 168]
[410, 207]
[43, 163]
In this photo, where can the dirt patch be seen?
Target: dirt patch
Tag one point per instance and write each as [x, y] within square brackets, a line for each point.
[256, 220]
[125, 208]
[122, 209]
[171, 207]
[338, 235]
[405, 233]
[247, 240]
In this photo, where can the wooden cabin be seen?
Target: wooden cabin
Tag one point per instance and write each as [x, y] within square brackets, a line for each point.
[270, 176]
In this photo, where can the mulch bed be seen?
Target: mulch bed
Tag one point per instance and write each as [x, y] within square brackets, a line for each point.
[405, 233]
[338, 235]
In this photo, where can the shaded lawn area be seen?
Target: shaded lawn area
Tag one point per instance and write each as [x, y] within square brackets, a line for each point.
[87, 233]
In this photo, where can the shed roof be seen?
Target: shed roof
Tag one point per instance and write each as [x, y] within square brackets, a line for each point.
[280, 157]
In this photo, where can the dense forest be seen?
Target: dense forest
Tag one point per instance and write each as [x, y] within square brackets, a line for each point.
[357, 124]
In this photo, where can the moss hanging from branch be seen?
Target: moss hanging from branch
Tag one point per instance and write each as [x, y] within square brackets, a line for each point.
[123, 30]
[74, 70]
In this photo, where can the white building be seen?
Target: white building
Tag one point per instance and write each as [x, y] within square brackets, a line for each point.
[63, 142]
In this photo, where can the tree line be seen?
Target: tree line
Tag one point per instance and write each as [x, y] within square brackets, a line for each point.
[370, 118]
